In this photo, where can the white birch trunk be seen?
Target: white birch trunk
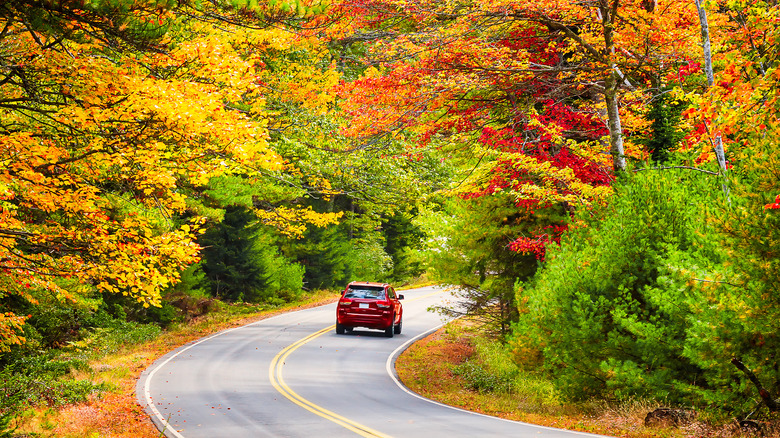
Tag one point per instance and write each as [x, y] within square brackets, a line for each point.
[612, 83]
[720, 154]
[615, 127]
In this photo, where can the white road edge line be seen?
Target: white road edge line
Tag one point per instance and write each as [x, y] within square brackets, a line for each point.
[390, 367]
[167, 429]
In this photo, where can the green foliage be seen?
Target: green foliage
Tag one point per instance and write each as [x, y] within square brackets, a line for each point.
[111, 338]
[610, 309]
[124, 308]
[664, 135]
[284, 277]
[402, 238]
[55, 326]
[492, 368]
[483, 380]
[242, 262]
[238, 190]
[40, 380]
[469, 247]
[230, 257]
[33, 377]
[365, 245]
[326, 255]
[741, 304]
[370, 262]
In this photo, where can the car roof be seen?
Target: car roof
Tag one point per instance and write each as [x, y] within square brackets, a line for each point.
[367, 283]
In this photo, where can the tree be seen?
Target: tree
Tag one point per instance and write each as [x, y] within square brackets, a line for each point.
[467, 247]
[520, 98]
[115, 115]
[232, 257]
[610, 311]
[402, 238]
[742, 107]
[654, 296]
[664, 136]
[508, 49]
[707, 49]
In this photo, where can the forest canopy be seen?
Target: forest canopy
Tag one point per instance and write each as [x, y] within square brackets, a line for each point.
[599, 179]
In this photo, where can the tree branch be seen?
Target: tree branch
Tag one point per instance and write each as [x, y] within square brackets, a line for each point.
[677, 167]
[765, 396]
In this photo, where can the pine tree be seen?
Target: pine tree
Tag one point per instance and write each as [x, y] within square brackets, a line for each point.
[232, 257]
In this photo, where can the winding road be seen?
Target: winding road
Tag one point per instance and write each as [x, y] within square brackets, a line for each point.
[291, 375]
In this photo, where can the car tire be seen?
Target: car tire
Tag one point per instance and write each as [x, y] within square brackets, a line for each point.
[340, 329]
[397, 329]
[389, 330]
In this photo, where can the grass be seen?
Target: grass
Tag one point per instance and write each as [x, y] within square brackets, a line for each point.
[116, 413]
[458, 367]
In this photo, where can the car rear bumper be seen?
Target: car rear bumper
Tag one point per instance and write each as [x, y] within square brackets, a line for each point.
[367, 320]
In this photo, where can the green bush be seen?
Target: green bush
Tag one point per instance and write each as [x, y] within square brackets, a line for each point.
[610, 310]
[492, 369]
[41, 380]
[481, 379]
[740, 302]
[106, 340]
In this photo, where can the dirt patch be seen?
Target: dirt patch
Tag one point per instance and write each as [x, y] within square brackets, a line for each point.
[426, 366]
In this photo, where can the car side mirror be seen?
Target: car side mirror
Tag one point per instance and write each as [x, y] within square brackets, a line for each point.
[400, 297]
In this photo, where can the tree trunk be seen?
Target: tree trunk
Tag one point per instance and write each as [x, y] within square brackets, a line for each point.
[607, 12]
[720, 154]
[705, 40]
[613, 121]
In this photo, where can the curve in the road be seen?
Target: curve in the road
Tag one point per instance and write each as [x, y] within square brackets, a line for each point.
[275, 375]
[156, 414]
[277, 381]
[231, 386]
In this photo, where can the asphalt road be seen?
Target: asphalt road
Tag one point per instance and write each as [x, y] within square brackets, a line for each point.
[292, 376]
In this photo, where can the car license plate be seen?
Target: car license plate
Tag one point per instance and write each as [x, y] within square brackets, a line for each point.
[364, 305]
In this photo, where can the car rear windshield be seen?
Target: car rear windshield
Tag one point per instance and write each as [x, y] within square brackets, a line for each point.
[367, 292]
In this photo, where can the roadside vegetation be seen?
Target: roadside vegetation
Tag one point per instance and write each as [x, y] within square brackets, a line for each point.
[460, 367]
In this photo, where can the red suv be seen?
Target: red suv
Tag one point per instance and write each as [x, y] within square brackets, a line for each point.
[370, 305]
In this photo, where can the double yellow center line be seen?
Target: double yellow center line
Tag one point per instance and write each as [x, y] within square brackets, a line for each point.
[277, 380]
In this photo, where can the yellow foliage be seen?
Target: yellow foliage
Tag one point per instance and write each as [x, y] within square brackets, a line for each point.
[10, 327]
[292, 222]
[93, 175]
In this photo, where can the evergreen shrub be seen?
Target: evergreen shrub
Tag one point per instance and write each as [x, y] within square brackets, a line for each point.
[610, 310]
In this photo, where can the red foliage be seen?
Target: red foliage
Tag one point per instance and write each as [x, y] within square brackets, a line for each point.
[533, 115]
[537, 245]
[567, 119]
[775, 205]
[506, 175]
[686, 69]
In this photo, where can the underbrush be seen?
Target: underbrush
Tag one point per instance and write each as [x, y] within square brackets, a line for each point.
[52, 378]
[492, 370]
[459, 366]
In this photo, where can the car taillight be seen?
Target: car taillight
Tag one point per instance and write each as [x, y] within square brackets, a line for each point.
[345, 302]
[383, 305]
